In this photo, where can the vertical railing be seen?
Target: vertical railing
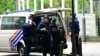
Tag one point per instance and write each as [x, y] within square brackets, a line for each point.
[42, 4]
[35, 5]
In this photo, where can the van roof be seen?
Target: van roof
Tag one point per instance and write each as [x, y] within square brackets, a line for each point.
[18, 14]
[48, 10]
[52, 10]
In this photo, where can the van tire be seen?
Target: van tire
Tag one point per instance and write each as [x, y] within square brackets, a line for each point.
[21, 50]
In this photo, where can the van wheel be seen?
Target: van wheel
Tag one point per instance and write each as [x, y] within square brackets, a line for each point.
[21, 50]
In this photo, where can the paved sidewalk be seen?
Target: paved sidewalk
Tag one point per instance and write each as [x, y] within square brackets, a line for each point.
[88, 48]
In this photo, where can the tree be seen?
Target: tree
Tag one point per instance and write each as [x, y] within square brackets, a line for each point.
[80, 5]
[10, 4]
[7, 4]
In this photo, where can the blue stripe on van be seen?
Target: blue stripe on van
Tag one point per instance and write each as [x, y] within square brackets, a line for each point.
[16, 36]
[16, 39]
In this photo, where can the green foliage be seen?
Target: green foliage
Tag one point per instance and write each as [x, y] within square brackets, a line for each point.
[6, 4]
[57, 3]
[10, 4]
[95, 8]
[80, 5]
[38, 4]
[68, 3]
[46, 3]
[31, 5]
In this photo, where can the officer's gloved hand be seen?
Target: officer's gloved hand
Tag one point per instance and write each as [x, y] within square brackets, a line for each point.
[43, 29]
[59, 27]
[51, 38]
[33, 23]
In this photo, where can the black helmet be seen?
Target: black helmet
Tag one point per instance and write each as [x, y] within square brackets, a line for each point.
[73, 14]
[31, 16]
[53, 19]
[46, 16]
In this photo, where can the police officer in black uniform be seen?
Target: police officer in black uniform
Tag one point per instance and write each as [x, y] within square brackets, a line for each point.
[77, 30]
[44, 31]
[27, 34]
[55, 32]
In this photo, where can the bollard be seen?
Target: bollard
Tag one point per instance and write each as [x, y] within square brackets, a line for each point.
[80, 47]
[98, 26]
[61, 48]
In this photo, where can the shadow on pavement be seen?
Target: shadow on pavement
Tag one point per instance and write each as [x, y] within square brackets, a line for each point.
[10, 55]
[17, 55]
[35, 55]
[67, 55]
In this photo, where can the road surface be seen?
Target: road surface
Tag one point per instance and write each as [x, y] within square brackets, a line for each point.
[88, 49]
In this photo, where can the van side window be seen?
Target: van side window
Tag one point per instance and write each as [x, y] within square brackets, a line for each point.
[11, 23]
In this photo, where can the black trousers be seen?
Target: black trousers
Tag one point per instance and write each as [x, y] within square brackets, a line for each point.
[47, 49]
[47, 46]
[56, 49]
[27, 49]
[77, 44]
[56, 45]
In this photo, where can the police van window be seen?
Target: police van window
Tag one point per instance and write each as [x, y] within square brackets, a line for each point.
[11, 23]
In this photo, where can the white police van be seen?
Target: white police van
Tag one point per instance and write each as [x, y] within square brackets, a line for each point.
[11, 24]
